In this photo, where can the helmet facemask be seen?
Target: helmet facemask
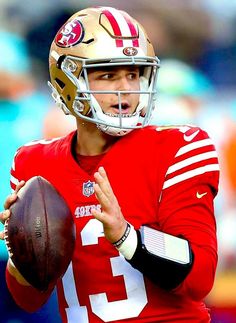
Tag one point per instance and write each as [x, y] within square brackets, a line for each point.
[86, 106]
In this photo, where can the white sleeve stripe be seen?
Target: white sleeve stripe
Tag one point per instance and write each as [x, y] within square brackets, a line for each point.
[191, 160]
[13, 162]
[13, 166]
[42, 142]
[190, 174]
[194, 145]
[14, 180]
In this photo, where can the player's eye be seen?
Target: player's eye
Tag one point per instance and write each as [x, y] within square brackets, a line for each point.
[106, 76]
[133, 75]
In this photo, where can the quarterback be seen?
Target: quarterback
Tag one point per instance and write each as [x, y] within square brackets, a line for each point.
[142, 196]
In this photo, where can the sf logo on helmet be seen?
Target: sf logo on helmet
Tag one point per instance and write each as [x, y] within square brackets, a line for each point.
[70, 34]
[130, 51]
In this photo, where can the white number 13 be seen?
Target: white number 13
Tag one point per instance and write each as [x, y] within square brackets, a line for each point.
[106, 311]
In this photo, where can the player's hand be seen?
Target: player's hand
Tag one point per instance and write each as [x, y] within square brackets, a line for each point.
[113, 221]
[5, 214]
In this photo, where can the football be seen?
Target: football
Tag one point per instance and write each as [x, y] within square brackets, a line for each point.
[40, 233]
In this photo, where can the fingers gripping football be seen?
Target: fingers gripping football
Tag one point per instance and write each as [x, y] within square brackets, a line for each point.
[5, 214]
[113, 221]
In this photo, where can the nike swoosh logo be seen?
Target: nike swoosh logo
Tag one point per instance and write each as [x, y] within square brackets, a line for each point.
[199, 196]
[190, 137]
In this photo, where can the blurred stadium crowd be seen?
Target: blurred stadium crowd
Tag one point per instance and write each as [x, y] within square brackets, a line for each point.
[196, 43]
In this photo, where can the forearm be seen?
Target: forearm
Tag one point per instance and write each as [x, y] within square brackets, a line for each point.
[25, 296]
[166, 273]
[182, 279]
[199, 282]
[182, 213]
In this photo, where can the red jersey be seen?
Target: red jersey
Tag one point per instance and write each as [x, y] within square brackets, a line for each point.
[165, 178]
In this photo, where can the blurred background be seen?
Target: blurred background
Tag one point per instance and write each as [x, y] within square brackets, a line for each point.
[196, 42]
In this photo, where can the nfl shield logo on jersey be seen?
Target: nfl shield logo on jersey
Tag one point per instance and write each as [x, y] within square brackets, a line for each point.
[88, 188]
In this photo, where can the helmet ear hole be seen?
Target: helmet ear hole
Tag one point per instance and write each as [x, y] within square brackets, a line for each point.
[60, 83]
[60, 60]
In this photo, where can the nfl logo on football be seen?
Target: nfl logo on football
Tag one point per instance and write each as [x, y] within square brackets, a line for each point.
[88, 188]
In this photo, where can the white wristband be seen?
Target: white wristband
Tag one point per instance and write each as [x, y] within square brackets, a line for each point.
[128, 247]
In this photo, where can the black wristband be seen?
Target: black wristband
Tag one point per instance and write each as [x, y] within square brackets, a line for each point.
[124, 237]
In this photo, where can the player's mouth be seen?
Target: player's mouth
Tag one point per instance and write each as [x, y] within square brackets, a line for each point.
[125, 110]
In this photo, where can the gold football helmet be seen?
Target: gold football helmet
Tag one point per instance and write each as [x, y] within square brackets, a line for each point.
[95, 37]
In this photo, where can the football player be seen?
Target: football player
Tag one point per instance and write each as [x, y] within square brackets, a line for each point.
[142, 196]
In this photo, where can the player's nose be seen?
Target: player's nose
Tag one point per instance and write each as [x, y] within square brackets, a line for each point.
[123, 84]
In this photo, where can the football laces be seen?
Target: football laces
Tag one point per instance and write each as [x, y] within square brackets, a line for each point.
[6, 238]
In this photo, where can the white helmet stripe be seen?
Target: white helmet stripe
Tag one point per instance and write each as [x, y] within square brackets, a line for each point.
[122, 26]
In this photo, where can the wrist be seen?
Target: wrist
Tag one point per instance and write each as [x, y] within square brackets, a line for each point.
[123, 238]
[127, 244]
